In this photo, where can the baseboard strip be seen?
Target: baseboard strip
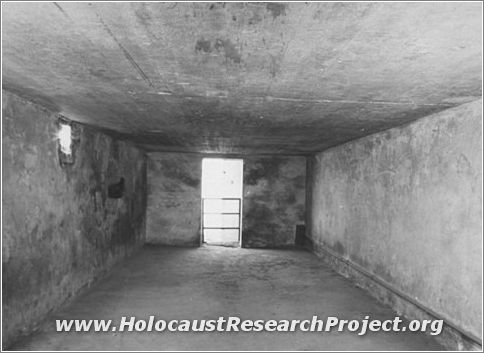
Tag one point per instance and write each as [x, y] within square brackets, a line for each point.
[457, 338]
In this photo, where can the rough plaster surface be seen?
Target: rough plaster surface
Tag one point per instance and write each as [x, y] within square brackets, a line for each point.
[60, 231]
[274, 200]
[234, 77]
[406, 205]
[174, 199]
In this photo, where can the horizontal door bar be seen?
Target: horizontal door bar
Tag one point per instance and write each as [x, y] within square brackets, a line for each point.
[221, 227]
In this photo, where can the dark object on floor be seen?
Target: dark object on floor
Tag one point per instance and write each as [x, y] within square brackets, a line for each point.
[300, 234]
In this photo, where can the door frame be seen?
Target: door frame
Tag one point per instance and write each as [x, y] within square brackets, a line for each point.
[241, 200]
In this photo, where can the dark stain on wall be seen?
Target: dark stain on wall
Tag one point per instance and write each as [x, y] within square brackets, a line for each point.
[274, 200]
[276, 9]
[223, 46]
[267, 168]
[229, 49]
[339, 248]
[203, 45]
[256, 17]
[174, 169]
[275, 65]
[60, 231]
[174, 191]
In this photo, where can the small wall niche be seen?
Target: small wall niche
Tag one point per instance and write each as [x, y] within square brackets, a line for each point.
[116, 190]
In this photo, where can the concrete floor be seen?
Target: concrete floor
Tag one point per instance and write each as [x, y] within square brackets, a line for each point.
[208, 282]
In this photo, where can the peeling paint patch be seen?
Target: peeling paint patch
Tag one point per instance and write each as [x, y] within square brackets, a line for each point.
[274, 200]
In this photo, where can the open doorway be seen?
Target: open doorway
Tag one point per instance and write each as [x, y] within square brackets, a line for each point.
[222, 201]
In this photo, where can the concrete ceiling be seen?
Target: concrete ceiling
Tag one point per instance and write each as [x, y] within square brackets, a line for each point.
[289, 78]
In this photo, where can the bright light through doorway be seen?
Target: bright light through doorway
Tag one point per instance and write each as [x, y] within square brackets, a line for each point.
[222, 200]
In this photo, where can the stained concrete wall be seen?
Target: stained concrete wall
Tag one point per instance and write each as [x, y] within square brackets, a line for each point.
[274, 200]
[406, 206]
[174, 204]
[60, 230]
[273, 203]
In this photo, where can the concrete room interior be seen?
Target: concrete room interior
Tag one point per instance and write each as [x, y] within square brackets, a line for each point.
[359, 126]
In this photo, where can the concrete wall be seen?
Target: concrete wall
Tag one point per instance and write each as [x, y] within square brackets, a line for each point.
[406, 206]
[274, 200]
[60, 230]
[174, 204]
[274, 190]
